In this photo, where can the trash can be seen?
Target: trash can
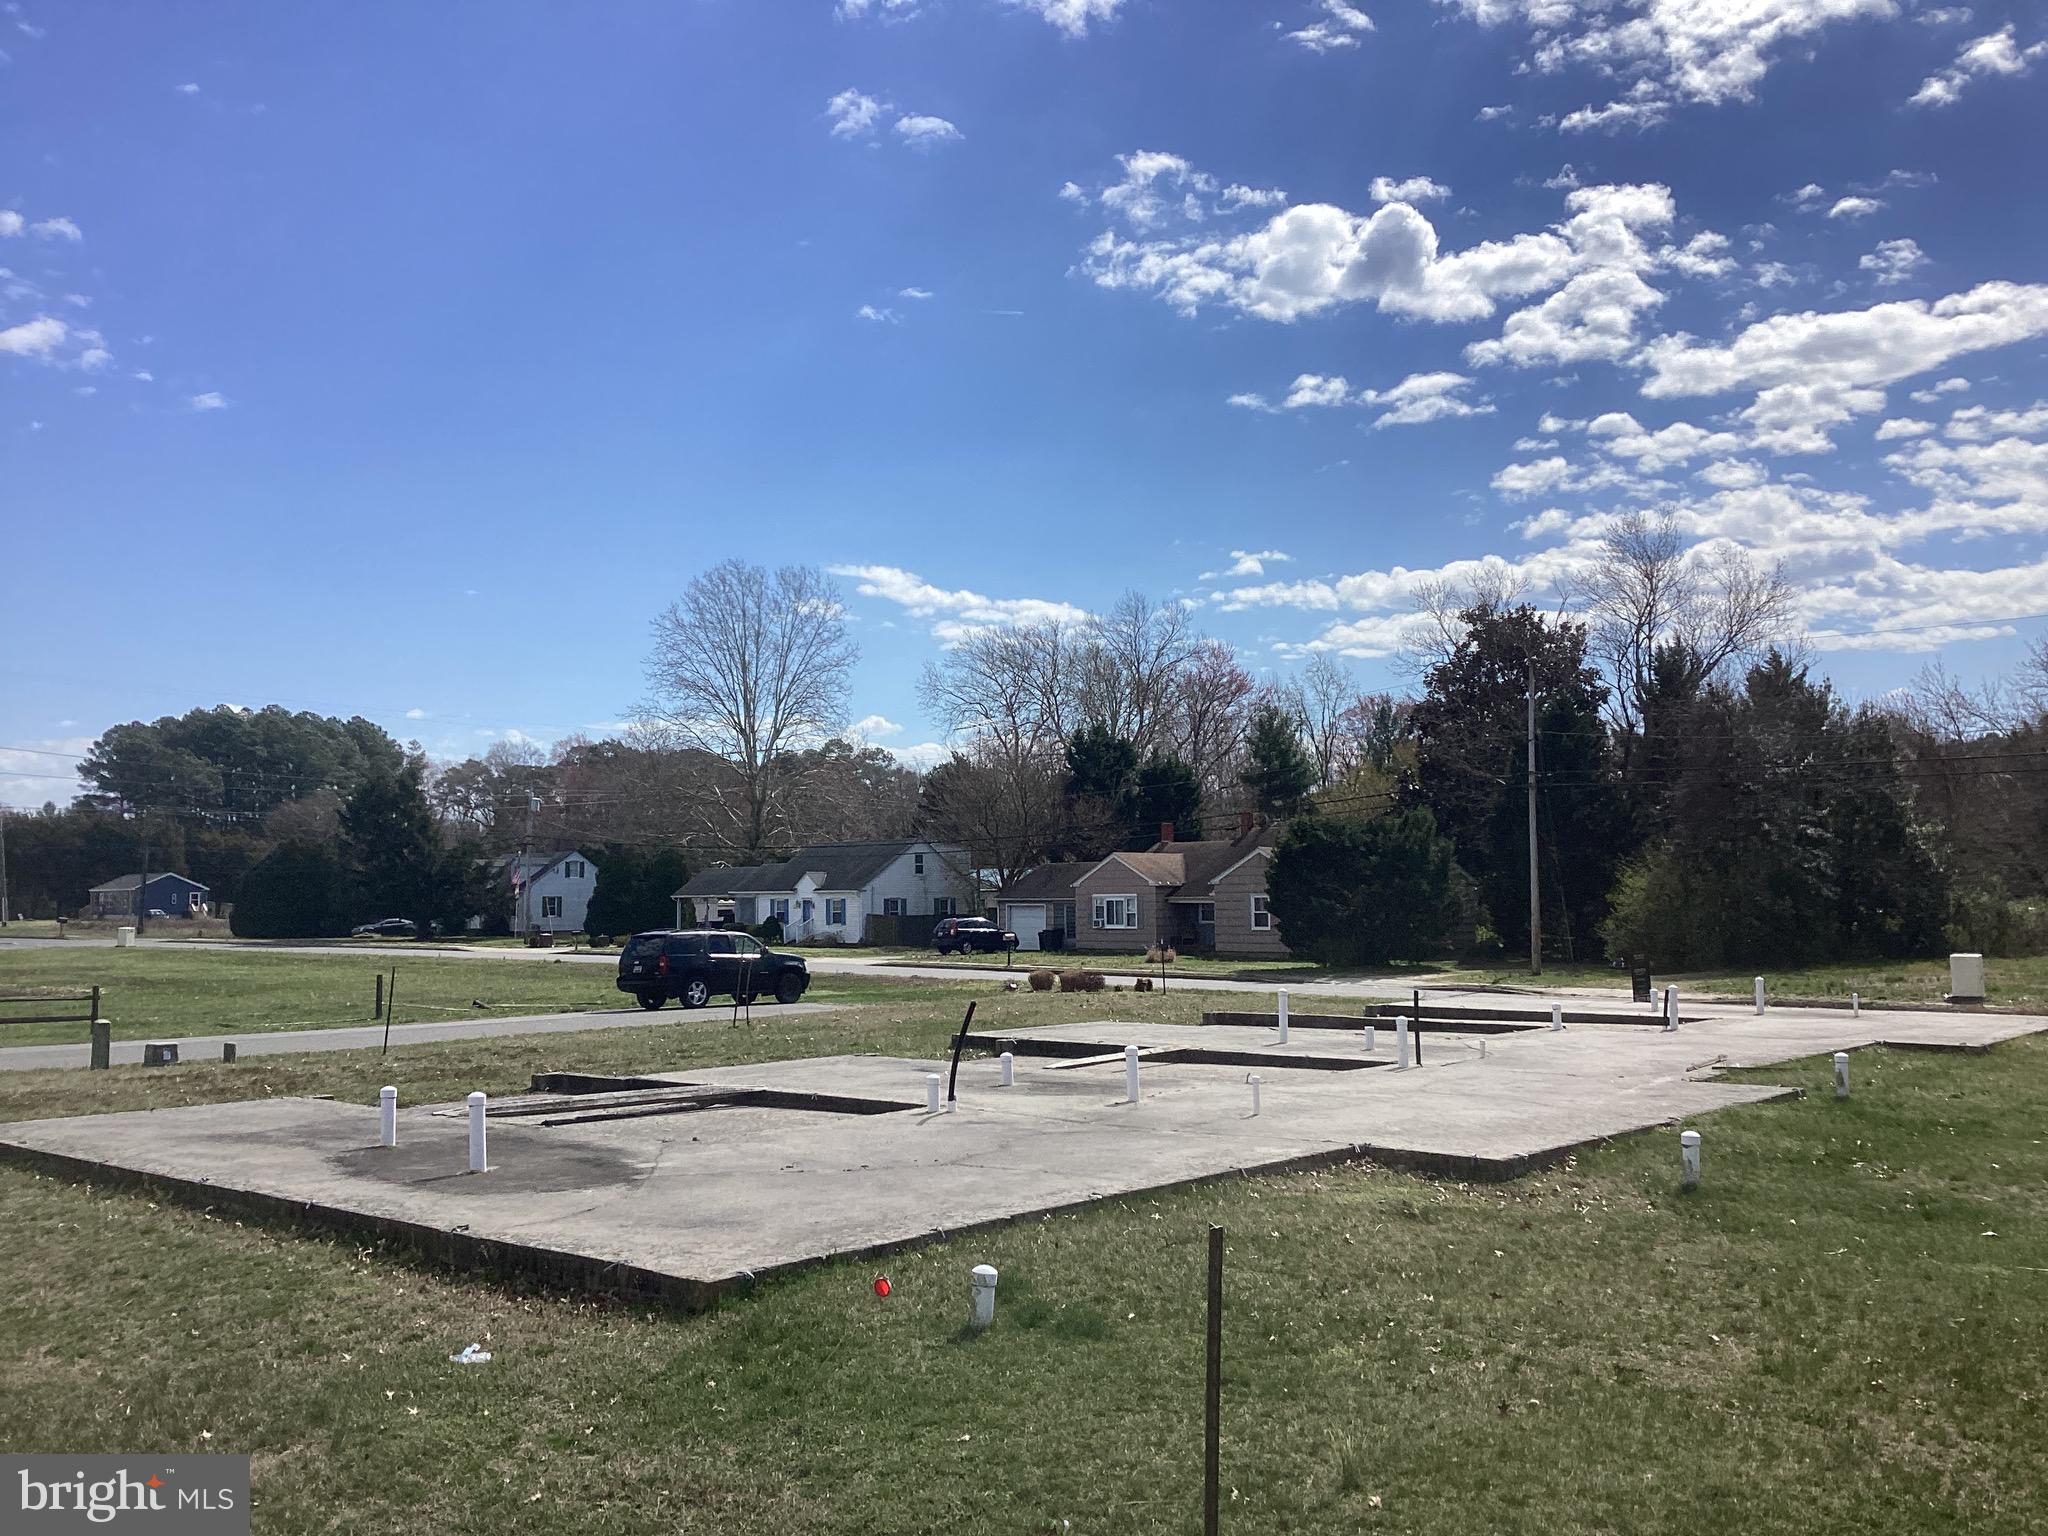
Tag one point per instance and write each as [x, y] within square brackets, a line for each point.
[1052, 938]
[1966, 978]
[124, 938]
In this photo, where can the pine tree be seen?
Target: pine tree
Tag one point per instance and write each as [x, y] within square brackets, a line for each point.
[1277, 771]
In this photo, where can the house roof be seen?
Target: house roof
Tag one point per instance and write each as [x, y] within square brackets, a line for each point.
[838, 866]
[129, 882]
[530, 867]
[1191, 870]
[1048, 882]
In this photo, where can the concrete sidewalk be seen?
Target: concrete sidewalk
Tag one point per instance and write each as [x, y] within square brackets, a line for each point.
[369, 1037]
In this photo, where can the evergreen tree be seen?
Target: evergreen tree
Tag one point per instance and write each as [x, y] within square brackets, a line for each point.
[1277, 771]
[1164, 791]
[294, 892]
[1348, 891]
[393, 848]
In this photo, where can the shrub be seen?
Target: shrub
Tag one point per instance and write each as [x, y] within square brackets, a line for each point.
[1363, 893]
[1144, 984]
[1081, 981]
[769, 930]
[1041, 981]
[296, 892]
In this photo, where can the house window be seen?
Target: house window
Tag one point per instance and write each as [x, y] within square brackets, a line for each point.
[1205, 912]
[779, 909]
[1262, 919]
[551, 906]
[572, 869]
[835, 911]
[917, 863]
[942, 906]
[895, 906]
[1116, 912]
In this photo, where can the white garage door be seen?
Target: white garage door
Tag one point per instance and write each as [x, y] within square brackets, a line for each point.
[1025, 923]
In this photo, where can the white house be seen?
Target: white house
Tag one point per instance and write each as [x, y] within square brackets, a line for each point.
[831, 889]
[550, 891]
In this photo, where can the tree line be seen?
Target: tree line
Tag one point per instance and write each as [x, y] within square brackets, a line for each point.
[1703, 797]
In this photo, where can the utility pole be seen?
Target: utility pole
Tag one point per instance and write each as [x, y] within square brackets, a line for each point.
[3, 866]
[142, 885]
[525, 881]
[1535, 889]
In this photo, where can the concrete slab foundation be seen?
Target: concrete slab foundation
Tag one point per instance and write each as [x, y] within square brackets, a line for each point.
[679, 1186]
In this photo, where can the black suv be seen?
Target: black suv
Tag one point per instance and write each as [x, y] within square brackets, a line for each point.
[968, 934]
[701, 963]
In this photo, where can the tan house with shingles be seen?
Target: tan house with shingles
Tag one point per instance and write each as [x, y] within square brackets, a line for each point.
[1208, 895]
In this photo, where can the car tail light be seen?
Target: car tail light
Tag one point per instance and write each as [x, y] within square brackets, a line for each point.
[661, 966]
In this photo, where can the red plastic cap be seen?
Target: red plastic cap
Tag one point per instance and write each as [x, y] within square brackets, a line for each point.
[881, 1285]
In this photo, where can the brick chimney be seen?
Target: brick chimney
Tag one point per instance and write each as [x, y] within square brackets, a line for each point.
[1244, 824]
[1166, 831]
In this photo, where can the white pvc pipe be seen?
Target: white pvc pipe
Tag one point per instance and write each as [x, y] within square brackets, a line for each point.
[387, 1117]
[1855, 1005]
[1371, 1034]
[1402, 1060]
[1283, 1015]
[1689, 1158]
[1130, 1074]
[1009, 1068]
[1255, 1080]
[931, 1093]
[1557, 1015]
[983, 1291]
[1670, 1008]
[476, 1132]
[1841, 1074]
[1759, 994]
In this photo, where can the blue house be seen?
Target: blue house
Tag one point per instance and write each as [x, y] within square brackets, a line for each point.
[172, 895]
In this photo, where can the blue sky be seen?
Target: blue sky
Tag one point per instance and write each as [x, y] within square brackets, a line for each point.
[406, 360]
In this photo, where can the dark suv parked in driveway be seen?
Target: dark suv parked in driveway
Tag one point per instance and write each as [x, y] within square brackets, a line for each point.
[701, 963]
[968, 934]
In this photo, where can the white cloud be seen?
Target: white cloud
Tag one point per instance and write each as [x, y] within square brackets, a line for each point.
[1849, 348]
[1315, 256]
[1424, 397]
[921, 128]
[1995, 53]
[189, 88]
[1493, 114]
[888, 10]
[913, 293]
[1142, 198]
[1592, 316]
[1805, 198]
[1236, 197]
[923, 757]
[957, 612]
[1248, 563]
[1933, 392]
[878, 316]
[415, 714]
[34, 338]
[212, 400]
[1706, 51]
[1979, 423]
[1855, 207]
[1072, 192]
[869, 727]
[11, 223]
[1341, 25]
[1415, 189]
[853, 113]
[1896, 427]
[1073, 17]
[1732, 474]
[1893, 261]
[58, 228]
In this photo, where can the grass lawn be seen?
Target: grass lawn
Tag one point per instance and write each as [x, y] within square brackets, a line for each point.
[1134, 963]
[161, 993]
[1823, 1339]
[2020, 983]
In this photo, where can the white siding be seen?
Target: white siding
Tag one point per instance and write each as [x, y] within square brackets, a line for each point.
[573, 890]
[945, 874]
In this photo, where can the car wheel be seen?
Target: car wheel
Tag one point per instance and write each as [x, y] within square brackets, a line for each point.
[696, 992]
[652, 1000]
[788, 987]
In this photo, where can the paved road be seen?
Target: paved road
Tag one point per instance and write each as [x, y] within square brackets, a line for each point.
[29, 1058]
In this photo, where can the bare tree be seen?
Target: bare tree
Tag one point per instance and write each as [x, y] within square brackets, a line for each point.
[1648, 593]
[1006, 815]
[1442, 602]
[1210, 707]
[750, 665]
[1135, 652]
[1323, 694]
[1012, 684]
